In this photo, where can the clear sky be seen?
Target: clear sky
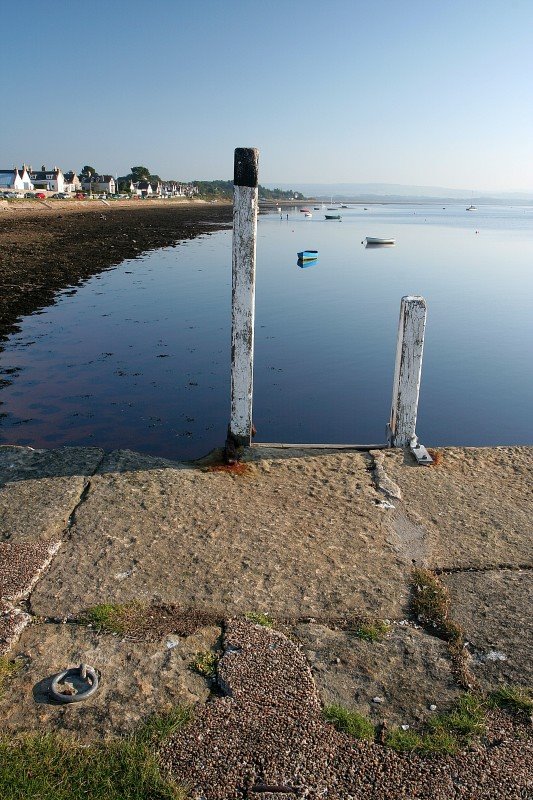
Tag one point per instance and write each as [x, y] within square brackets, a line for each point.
[421, 92]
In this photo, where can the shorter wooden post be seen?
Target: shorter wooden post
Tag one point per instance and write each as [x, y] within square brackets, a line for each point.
[407, 371]
[245, 203]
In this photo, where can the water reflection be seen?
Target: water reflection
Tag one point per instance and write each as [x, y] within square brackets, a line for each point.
[139, 357]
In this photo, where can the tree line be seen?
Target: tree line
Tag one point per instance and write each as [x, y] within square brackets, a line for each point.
[222, 190]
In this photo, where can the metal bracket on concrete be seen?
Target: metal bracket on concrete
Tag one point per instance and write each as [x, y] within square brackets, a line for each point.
[87, 674]
[420, 453]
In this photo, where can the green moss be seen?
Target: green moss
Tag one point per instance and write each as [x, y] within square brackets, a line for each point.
[403, 741]
[372, 631]
[446, 733]
[110, 617]
[513, 698]
[350, 722]
[258, 618]
[464, 720]
[205, 663]
[438, 742]
[431, 606]
[160, 726]
[50, 767]
[8, 667]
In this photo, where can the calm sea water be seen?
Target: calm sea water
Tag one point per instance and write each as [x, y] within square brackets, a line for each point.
[139, 356]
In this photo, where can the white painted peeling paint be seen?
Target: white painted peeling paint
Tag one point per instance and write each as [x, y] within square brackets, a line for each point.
[407, 371]
[243, 310]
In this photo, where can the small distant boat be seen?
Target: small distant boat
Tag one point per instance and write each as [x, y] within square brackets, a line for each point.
[308, 255]
[472, 208]
[305, 210]
[308, 214]
[376, 240]
[344, 206]
[331, 208]
[316, 208]
[332, 216]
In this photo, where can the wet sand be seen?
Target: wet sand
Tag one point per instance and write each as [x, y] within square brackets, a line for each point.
[45, 247]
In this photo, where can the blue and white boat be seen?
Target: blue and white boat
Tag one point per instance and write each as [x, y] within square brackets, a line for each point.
[308, 255]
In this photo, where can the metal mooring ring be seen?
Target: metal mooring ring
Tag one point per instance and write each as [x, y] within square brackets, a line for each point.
[86, 673]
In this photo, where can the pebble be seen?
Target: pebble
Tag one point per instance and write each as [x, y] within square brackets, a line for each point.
[270, 732]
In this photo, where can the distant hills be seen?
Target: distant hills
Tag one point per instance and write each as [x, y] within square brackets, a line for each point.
[398, 191]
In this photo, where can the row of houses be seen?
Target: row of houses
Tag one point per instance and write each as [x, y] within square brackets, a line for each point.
[25, 179]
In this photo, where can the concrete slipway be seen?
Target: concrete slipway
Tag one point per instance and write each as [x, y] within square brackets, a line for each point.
[313, 538]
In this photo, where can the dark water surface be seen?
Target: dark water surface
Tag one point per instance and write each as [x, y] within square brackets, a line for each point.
[139, 356]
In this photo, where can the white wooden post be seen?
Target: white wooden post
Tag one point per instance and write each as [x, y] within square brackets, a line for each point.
[243, 294]
[407, 371]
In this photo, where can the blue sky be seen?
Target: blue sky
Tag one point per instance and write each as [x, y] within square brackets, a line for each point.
[396, 91]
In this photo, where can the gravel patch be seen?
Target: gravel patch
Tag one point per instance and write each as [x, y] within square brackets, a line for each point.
[268, 732]
[12, 623]
[21, 565]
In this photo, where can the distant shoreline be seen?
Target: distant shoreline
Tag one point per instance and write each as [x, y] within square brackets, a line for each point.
[416, 201]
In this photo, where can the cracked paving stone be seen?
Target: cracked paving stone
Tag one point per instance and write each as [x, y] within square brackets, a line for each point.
[40, 488]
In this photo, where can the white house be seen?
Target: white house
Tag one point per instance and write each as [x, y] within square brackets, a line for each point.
[24, 173]
[51, 180]
[72, 182]
[99, 183]
[143, 188]
[12, 180]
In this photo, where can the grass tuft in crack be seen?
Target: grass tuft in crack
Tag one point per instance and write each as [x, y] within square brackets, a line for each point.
[8, 668]
[430, 604]
[465, 720]
[372, 631]
[447, 732]
[512, 698]
[259, 618]
[110, 617]
[52, 767]
[350, 722]
[205, 664]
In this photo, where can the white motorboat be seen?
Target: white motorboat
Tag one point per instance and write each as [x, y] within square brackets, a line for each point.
[472, 208]
[375, 240]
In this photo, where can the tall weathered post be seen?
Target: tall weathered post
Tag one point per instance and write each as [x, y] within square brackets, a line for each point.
[407, 371]
[245, 201]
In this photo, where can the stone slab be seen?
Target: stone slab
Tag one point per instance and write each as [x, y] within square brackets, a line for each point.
[290, 536]
[473, 508]
[495, 609]
[137, 679]
[408, 670]
[40, 488]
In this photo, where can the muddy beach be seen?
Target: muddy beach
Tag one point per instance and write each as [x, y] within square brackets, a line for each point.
[45, 247]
